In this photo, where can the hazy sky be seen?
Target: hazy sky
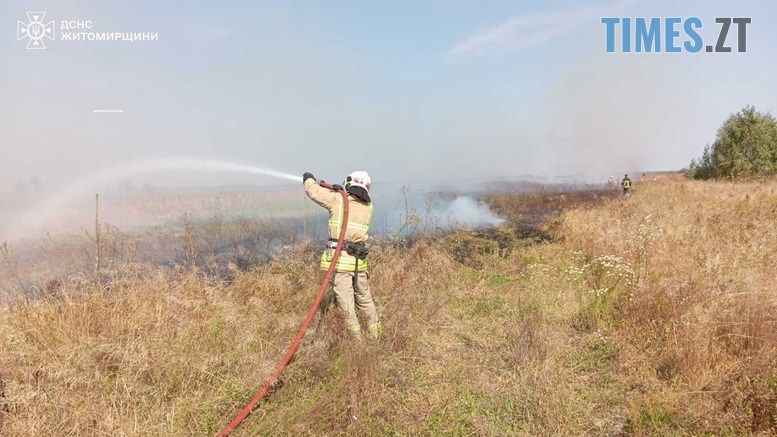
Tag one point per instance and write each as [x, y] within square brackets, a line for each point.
[420, 90]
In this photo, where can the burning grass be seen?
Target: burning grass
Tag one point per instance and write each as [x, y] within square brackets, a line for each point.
[648, 315]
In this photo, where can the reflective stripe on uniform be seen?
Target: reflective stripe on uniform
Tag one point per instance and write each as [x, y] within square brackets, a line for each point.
[358, 227]
[375, 329]
[346, 262]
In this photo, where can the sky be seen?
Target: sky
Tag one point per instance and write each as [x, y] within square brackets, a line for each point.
[410, 91]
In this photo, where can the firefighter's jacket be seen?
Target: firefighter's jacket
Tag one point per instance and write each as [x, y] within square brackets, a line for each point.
[359, 219]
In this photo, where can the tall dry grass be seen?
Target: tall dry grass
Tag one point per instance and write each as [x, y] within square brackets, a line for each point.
[648, 315]
[696, 320]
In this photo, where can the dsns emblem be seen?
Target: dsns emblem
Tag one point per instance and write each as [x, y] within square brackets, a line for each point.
[35, 30]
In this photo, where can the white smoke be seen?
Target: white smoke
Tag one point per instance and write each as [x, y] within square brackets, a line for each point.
[466, 211]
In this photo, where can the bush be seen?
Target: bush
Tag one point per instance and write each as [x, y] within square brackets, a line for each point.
[745, 146]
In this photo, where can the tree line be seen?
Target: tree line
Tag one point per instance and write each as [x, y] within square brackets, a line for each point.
[745, 146]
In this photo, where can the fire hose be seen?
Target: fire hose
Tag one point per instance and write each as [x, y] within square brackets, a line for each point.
[272, 380]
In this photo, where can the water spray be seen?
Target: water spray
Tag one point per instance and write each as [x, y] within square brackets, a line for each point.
[41, 213]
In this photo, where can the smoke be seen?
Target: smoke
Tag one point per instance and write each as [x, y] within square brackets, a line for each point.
[466, 211]
[609, 116]
[427, 210]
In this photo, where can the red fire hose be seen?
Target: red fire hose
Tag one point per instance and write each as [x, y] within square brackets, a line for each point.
[249, 407]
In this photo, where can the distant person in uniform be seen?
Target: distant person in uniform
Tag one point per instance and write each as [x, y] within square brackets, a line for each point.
[626, 185]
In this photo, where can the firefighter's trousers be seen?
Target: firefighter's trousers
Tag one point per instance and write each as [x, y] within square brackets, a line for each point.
[352, 291]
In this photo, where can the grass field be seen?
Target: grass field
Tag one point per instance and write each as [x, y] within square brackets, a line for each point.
[654, 314]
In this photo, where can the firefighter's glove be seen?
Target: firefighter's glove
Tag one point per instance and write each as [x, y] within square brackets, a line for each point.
[307, 176]
[337, 187]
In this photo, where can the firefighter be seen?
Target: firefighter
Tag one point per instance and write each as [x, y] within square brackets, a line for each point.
[626, 185]
[350, 282]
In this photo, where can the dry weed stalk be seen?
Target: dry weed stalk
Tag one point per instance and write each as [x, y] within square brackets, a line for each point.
[97, 245]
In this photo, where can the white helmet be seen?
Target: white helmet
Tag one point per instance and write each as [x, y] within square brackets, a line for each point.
[358, 178]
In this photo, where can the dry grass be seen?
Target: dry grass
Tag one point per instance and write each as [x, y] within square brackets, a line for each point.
[696, 325]
[649, 315]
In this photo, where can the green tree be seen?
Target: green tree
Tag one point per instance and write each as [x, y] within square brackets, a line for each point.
[745, 146]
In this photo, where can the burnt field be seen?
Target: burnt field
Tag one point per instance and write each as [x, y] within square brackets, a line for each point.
[220, 232]
[581, 313]
[529, 212]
